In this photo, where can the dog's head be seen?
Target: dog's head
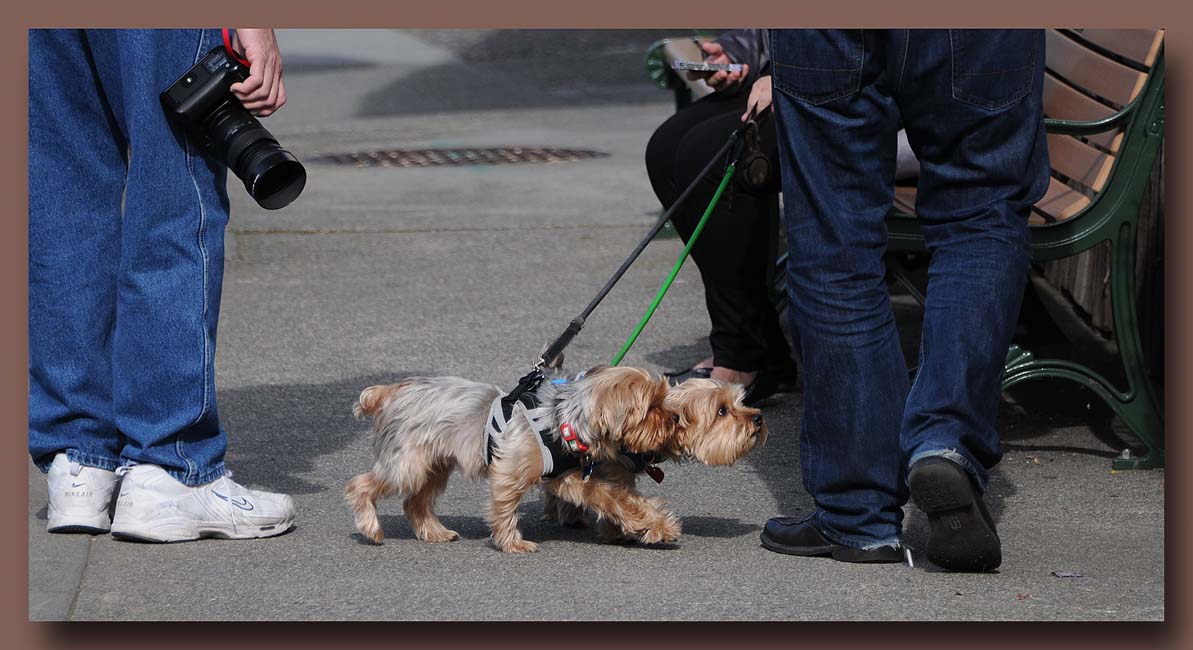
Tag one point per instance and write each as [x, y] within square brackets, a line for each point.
[616, 408]
[715, 427]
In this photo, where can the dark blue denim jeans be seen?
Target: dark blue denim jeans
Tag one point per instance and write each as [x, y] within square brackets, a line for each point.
[971, 103]
[126, 256]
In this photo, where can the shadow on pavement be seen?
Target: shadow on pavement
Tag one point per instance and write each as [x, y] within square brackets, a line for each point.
[720, 527]
[398, 527]
[680, 356]
[276, 432]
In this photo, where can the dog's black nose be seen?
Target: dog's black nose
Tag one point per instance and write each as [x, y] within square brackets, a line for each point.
[757, 419]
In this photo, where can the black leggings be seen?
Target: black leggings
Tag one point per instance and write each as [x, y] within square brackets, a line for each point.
[736, 250]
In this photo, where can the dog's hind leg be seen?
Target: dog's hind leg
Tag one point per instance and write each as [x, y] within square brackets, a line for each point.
[419, 507]
[362, 493]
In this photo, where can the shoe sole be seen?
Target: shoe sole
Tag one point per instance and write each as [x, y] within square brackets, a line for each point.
[61, 523]
[839, 553]
[162, 532]
[961, 535]
[77, 529]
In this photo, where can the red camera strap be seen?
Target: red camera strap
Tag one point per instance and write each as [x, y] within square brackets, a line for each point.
[232, 52]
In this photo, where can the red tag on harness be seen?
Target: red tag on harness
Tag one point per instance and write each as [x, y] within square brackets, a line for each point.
[655, 472]
[570, 437]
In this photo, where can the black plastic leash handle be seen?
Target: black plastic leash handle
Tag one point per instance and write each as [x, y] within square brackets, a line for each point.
[551, 355]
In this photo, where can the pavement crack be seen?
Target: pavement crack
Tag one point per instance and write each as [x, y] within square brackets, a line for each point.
[74, 601]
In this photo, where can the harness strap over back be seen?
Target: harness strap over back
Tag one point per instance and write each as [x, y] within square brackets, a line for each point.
[524, 402]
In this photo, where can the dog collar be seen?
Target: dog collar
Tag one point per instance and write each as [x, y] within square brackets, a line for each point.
[573, 441]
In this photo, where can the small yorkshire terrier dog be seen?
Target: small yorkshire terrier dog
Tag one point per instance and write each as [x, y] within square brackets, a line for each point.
[572, 438]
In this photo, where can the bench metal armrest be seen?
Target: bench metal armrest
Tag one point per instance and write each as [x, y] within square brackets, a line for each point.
[1075, 127]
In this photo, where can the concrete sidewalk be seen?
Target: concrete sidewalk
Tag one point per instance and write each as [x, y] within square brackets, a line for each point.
[376, 274]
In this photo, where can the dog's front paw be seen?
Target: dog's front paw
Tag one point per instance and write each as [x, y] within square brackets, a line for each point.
[663, 531]
[520, 546]
[438, 536]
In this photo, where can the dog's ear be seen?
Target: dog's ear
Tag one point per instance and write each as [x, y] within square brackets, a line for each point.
[614, 400]
[632, 410]
[679, 400]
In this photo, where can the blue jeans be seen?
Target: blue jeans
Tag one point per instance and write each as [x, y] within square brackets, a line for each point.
[970, 101]
[126, 256]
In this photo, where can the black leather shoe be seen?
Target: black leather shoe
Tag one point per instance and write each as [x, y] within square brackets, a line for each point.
[773, 379]
[764, 385]
[961, 532]
[793, 536]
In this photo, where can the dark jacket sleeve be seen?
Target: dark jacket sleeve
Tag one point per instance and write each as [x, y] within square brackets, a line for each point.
[748, 46]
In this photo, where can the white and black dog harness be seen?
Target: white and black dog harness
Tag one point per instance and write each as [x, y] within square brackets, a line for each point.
[558, 457]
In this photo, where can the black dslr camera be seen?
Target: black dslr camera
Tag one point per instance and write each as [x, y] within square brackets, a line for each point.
[213, 117]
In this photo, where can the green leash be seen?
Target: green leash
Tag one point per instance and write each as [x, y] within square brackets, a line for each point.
[683, 256]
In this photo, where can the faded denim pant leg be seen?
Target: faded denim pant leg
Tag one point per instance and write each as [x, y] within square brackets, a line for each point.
[970, 101]
[126, 255]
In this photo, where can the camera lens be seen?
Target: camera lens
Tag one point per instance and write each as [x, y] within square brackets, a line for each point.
[272, 175]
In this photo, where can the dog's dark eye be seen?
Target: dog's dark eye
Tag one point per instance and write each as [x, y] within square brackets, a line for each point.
[675, 418]
[722, 411]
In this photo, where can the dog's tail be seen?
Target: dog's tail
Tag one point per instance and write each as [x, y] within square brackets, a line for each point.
[372, 399]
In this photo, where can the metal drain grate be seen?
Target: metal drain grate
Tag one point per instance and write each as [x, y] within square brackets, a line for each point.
[454, 157]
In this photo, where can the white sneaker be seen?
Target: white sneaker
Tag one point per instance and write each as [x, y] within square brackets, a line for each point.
[79, 497]
[155, 507]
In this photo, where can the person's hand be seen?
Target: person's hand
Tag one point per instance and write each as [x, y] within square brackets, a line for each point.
[264, 92]
[721, 79]
[759, 98]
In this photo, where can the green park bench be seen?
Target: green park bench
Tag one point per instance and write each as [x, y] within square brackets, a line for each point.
[1104, 108]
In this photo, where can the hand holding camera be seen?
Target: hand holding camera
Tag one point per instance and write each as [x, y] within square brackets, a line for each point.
[264, 92]
[206, 102]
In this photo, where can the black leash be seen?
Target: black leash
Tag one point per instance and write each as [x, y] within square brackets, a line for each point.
[551, 355]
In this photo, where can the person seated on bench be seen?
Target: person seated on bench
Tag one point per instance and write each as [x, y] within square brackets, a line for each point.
[739, 243]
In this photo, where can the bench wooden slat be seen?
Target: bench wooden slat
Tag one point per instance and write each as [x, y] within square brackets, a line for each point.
[1091, 71]
[1079, 161]
[1139, 45]
[1059, 203]
[1062, 101]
